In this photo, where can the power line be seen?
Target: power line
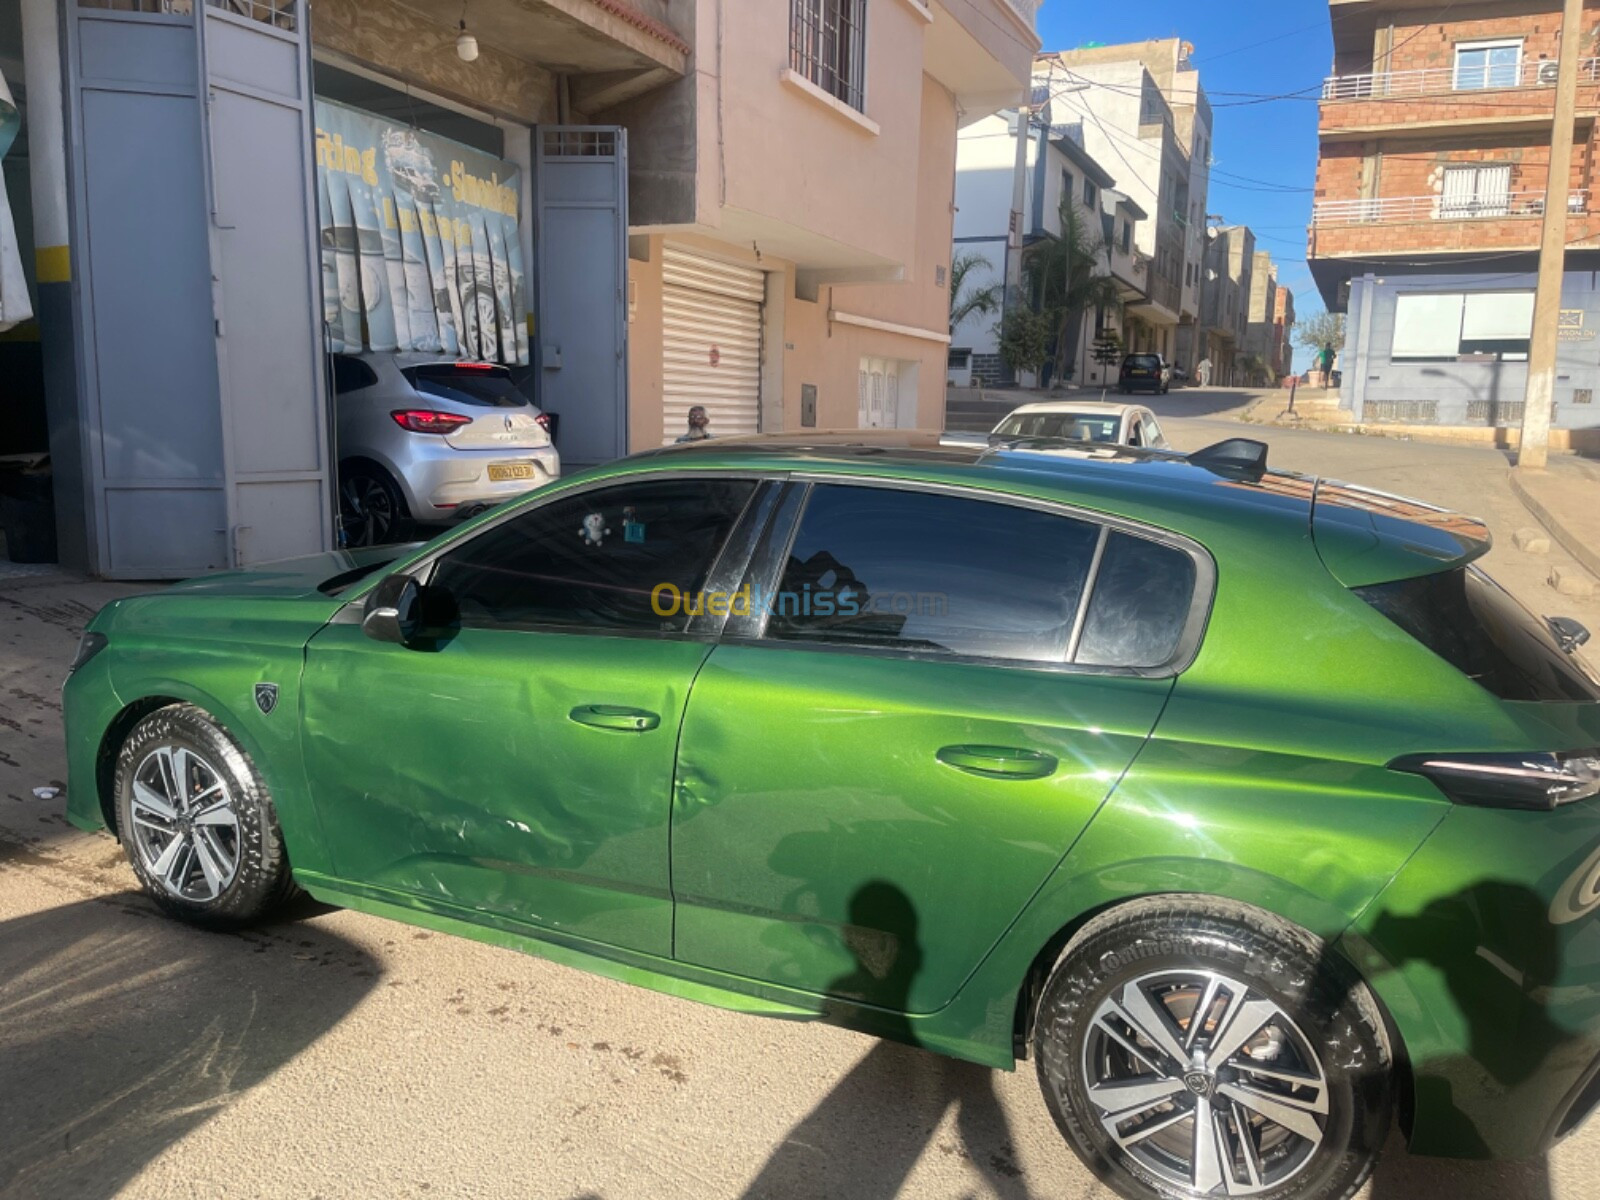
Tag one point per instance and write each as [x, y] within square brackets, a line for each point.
[1254, 184]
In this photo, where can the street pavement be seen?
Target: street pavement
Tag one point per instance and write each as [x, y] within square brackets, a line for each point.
[332, 1054]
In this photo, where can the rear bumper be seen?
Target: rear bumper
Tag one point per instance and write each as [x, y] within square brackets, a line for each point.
[1491, 980]
[442, 486]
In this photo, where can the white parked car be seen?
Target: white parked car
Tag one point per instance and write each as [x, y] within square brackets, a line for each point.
[1086, 421]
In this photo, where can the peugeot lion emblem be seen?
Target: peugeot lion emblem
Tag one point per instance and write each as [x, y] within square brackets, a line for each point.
[1198, 1082]
[266, 696]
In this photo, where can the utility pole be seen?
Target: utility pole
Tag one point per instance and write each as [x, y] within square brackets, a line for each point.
[1534, 448]
[1019, 188]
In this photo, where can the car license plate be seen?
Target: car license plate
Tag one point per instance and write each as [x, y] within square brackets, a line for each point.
[500, 472]
[1138, 372]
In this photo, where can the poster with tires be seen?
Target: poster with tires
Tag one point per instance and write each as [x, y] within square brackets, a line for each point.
[420, 248]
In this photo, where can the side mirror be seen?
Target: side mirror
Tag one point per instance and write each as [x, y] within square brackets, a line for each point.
[393, 612]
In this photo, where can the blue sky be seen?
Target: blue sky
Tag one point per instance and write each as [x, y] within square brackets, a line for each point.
[1259, 47]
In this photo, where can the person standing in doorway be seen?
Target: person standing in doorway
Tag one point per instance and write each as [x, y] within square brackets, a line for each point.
[699, 425]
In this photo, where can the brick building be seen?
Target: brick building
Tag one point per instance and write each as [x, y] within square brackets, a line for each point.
[1435, 132]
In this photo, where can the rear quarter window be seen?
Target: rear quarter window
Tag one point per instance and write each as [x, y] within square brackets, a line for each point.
[1143, 593]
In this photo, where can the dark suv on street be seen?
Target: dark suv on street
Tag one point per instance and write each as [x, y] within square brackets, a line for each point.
[1144, 372]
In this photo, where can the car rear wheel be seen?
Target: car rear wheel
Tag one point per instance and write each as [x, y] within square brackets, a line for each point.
[197, 821]
[1192, 1048]
[371, 507]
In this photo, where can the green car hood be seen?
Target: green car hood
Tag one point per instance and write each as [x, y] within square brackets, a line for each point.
[294, 578]
[1366, 536]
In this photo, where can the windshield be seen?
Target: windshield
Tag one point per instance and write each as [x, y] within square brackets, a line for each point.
[1079, 427]
[481, 386]
[1475, 625]
[1144, 361]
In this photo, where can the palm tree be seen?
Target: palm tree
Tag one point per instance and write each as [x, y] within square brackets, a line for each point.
[965, 301]
[1066, 277]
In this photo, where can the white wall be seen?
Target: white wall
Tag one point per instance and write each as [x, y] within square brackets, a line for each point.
[985, 170]
[1109, 114]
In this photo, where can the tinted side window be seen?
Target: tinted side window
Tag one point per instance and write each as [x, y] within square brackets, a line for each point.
[922, 571]
[593, 561]
[1140, 605]
[350, 374]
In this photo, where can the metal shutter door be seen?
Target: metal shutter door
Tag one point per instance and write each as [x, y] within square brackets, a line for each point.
[711, 343]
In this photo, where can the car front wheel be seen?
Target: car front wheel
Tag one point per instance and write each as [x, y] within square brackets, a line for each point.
[197, 821]
[1194, 1048]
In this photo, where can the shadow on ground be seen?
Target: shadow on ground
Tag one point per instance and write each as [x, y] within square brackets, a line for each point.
[1400, 1176]
[121, 1031]
[864, 1139]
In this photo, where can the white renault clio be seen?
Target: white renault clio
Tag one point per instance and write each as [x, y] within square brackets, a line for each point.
[424, 440]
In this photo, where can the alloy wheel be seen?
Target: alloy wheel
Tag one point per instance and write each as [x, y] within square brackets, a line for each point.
[368, 510]
[1208, 1084]
[185, 826]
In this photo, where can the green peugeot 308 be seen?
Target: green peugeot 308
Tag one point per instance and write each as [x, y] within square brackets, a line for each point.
[1242, 802]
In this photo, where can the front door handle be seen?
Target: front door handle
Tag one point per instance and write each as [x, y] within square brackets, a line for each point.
[611, 716]
[998, 762]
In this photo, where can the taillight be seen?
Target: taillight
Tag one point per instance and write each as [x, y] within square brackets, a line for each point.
[542, 421]
[427, 420]
[1539, 780]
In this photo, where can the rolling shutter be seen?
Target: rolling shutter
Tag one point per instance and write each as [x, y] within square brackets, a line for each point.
[711, 343]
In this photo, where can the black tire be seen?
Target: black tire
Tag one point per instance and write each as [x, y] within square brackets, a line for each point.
[372, 508]
[1144, 945]
[248, 837]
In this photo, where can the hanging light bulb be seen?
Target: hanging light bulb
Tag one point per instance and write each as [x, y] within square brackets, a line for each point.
[466, 44]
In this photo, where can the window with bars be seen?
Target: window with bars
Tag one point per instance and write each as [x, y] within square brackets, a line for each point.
[828, 46]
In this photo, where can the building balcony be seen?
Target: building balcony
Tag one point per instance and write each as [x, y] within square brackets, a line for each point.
[1437, 207]
[1348, 236]
[981, 50]
[1521, 96]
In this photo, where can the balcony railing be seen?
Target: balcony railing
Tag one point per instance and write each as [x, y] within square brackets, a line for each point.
[1384, 84]
[1438, 208]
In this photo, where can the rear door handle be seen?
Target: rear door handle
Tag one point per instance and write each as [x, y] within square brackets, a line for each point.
[615, 717]
[998, 762]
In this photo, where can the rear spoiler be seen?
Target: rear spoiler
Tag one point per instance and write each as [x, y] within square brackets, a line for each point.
[1365, 536]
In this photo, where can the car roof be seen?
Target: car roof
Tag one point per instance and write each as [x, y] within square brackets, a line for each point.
[1221, 497]
[1156, 487]
[1067, 406]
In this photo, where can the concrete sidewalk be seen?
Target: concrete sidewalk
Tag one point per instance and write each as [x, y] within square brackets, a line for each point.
[1565, 497]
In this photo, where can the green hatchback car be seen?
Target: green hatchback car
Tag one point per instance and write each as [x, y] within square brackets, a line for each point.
[1243, 803]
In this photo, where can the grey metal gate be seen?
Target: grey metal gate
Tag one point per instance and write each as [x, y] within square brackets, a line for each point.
[268, 270]
[202, 410]
[581, 235]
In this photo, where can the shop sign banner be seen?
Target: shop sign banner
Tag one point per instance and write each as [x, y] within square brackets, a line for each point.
[420, 249]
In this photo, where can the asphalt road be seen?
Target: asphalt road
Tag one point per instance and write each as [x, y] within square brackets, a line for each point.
[337, 1055]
